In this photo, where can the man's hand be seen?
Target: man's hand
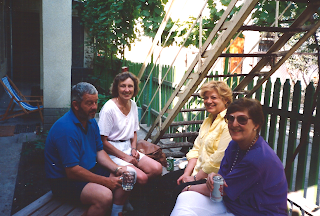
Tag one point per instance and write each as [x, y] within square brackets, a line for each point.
[121, 170]
[81, 174]
[112, 182]
[131, 160]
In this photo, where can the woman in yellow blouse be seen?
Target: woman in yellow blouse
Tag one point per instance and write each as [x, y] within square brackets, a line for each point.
[208, 149]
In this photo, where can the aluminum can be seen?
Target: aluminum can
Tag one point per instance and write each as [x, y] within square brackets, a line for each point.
[170, 163]
[217, 193]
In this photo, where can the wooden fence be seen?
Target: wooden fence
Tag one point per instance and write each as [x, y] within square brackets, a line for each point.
[286, 108]
[286, 115]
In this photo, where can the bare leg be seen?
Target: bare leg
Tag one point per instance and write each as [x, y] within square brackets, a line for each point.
[98, 197]
[150, 167]
[142, 177]
[120, 196]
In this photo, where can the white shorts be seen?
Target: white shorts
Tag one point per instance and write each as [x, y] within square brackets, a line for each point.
[125, 147]
[191, 203]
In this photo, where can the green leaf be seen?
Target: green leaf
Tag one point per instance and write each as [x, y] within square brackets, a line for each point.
[145, 13]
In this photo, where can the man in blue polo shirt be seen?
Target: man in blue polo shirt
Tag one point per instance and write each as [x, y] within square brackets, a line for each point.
[76, 165]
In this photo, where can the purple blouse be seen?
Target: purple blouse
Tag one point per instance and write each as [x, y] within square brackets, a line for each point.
[257, 184]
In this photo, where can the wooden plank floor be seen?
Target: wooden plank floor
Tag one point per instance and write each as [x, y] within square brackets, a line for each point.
[304, 204]
[47, 205]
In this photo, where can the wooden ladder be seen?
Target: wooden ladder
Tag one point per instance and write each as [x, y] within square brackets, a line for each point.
[228, 29]
[194, 78]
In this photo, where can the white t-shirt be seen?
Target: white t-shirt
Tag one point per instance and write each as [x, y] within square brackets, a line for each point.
[115, 125]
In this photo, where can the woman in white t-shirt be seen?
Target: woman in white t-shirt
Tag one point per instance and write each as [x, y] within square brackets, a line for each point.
[118, 123]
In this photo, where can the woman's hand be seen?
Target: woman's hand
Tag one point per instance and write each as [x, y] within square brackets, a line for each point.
[131, 160]
[185, 178]
[200, 188]
[187, 188]
[209, 182]
[135, 154]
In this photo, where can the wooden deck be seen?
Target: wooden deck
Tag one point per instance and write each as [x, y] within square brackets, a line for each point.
[47, 205]
[302, 203]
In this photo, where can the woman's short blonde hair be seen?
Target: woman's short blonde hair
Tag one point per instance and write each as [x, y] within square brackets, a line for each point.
[222, 89]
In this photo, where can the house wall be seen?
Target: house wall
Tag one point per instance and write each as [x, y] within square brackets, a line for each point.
[3, 53]
[56, 54]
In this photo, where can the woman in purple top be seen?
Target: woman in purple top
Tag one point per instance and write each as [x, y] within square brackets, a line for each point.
[254, 178]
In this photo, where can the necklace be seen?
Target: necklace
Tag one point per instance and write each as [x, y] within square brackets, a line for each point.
[237, 155]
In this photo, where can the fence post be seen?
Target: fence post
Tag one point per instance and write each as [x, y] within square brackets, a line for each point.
[292, 140]
[229, 81]
[283, 119]
[258, 93]
[150, 97]
[234, 82]
[250, 86]
[315, 159]
[267, 94]
[273, 120]
[241, 95]
[303, 153]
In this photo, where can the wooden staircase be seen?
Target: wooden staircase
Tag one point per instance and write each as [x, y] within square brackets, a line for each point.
[225, 31]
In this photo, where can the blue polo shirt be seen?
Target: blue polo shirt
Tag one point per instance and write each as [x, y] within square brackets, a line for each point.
[68, 144]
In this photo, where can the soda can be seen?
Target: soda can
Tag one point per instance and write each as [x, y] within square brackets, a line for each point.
[216, 194]
[170, 163]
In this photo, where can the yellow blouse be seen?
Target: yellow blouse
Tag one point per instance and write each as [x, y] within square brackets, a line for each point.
[209, 146]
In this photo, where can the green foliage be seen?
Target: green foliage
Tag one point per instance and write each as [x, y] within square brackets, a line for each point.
[207, 23]
[39, 143]
[113, 24]
[102, 100]
[304, 64]
[105, 69]
[264, 14]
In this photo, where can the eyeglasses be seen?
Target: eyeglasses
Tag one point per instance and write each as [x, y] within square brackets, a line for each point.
[241, 119]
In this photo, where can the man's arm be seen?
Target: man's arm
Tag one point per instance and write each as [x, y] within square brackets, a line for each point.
[81, 174]
[104, 160]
